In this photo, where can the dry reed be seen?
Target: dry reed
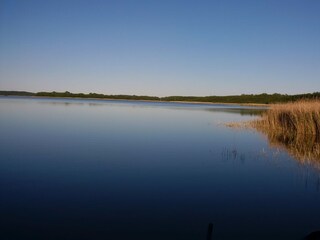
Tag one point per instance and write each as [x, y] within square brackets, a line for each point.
[295, 126]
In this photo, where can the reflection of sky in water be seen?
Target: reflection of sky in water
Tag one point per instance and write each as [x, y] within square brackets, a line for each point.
[163, 169]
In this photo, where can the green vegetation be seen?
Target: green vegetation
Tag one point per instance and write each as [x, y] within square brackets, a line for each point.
[94, 95]
[16, 93]
[244, 98]
[247, 98]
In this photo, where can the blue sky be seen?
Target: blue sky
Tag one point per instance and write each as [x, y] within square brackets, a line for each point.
[162, 47]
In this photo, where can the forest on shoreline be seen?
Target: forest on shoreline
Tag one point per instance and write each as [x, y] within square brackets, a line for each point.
[263, 98]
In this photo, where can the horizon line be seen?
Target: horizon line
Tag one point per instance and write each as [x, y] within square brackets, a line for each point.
[121, 94]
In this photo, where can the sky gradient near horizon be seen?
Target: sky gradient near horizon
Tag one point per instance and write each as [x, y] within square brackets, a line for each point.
[160, 48]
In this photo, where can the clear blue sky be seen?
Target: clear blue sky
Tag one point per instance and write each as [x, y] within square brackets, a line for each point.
[160, 47]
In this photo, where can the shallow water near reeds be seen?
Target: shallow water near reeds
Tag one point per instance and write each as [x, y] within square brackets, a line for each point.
[93, 169]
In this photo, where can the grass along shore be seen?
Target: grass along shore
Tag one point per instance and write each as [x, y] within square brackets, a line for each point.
[294, 126]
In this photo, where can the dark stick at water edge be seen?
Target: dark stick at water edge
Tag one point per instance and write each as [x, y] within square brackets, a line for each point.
[209, 233]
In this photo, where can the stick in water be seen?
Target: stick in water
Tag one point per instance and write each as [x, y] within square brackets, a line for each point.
[209, 233]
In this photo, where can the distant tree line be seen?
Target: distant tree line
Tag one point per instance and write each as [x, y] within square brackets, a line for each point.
[16, 93]
[94, 95]
[263, 98]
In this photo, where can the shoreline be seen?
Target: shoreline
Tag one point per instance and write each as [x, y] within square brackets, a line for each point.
[136, 100]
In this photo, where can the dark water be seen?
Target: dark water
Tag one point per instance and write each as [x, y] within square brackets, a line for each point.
[89, 169]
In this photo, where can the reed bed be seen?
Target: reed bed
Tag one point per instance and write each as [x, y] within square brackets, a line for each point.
[298, 118]
[295, 126]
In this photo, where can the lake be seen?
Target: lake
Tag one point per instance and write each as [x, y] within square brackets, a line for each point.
[95, 169]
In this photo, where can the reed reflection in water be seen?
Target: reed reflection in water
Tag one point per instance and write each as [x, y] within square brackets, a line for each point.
[304, 148]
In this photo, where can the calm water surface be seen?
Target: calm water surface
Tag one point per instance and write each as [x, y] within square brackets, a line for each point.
[90, 169]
